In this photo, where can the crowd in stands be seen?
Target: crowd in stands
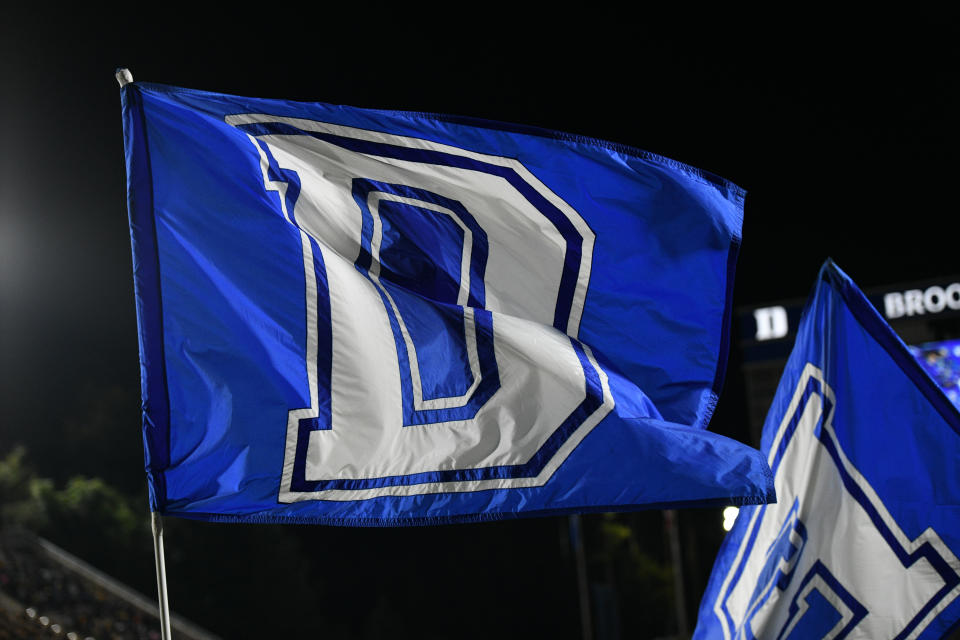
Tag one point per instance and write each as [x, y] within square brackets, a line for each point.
[39, 598]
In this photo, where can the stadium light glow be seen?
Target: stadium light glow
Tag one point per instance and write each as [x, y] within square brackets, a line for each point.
[729, 517]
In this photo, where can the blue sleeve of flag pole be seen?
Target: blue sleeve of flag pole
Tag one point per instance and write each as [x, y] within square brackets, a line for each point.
[544, 316]
[863, 446]
[155, 403]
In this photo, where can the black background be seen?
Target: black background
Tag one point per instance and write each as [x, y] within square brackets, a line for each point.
[843, 132]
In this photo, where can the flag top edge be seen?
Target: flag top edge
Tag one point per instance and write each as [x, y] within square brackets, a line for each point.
[875, 325]
[735, 192]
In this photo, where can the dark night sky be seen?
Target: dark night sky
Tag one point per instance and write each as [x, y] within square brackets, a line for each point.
[843, 134]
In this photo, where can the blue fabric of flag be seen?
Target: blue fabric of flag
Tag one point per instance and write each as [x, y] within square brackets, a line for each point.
[360, 317]
[864, 538]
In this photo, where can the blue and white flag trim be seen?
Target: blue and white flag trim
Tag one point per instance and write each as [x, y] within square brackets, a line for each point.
[363, 317]
[863, 540]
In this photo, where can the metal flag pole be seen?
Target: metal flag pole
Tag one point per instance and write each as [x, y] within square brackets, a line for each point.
[156, 524]
[679, 597]
[576, 539]
[124, 77]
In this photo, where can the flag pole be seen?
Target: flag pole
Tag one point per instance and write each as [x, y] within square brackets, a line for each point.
[679, 597]
[124, 77]
[156, 524]
[576, 539]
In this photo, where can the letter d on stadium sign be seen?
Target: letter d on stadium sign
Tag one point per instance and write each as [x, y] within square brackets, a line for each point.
[443, 291]
[772, 323]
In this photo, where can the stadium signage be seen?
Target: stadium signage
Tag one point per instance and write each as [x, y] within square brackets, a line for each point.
[918, 302]
[772, 323]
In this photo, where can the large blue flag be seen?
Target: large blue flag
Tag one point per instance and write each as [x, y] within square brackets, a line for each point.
[863, 541]
[365, 317]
